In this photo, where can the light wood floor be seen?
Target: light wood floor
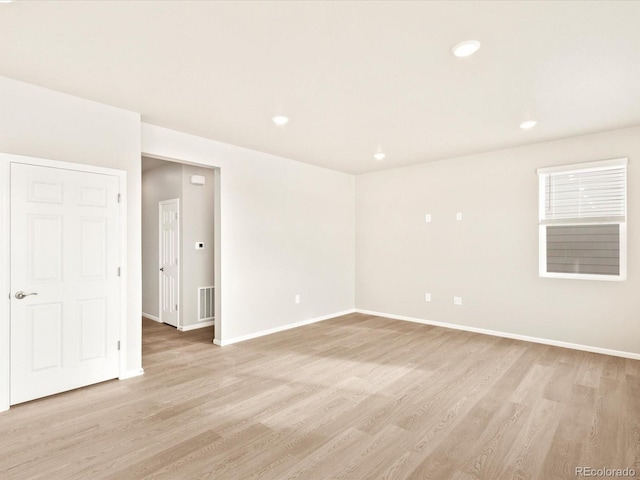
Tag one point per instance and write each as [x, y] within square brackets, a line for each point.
[358, 397]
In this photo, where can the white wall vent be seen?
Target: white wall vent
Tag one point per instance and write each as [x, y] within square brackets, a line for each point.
[205, 304]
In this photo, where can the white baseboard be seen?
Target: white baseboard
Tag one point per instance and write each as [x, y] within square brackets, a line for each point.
[514, 336]
[151, 317]
[262, 333]
[186, 328]
[132, 373]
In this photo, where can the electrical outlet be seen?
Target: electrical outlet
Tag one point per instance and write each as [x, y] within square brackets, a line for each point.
[427, 297]
[459, 216]
[427, 218]
[457, 300]
[297, 299]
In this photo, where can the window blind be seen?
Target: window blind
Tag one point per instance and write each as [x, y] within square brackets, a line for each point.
[584, 196]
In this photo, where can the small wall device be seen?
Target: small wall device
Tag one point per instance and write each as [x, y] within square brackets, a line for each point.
[197, 179]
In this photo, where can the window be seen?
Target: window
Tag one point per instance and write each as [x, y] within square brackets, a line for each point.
[583, 229]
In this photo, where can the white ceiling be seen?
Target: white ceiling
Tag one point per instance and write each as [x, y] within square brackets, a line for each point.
[352, 76]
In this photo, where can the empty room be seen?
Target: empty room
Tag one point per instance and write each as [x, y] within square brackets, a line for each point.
[273, 240]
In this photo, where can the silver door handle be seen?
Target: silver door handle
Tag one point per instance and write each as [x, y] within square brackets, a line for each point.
[20, 295]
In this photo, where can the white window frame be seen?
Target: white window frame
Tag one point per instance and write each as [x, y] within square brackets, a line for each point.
[542, 228]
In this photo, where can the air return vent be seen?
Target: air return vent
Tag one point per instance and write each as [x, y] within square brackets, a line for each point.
[205, 304]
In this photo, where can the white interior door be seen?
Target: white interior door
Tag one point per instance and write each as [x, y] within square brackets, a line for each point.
[65, 255]
[169, 256]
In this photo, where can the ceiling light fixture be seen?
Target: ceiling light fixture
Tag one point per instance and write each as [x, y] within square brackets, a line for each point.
[528, 124]
[379, 156]
[280, 120]
[466, 48]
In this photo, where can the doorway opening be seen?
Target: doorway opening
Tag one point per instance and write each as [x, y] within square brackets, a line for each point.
[180, 246]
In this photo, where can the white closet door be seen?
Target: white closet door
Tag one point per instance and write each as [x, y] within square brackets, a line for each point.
[65, 251]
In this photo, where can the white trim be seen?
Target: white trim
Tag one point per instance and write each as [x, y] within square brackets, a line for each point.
[186, 328]
[132, 373]
[76, 167]
[583, 276]
[5, 288]
[179, 259]
[217, 254]
[151, 317]
[124, 282]
[289, 326]
[6, 160]
[514, 336]
[583, 166]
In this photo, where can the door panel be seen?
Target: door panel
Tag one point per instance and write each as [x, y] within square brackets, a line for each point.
[169, 255]
[45, 257]
[45, 192]
[93, 329]
[45, 336]
[93, 248]
[93, 197]
[65, 246]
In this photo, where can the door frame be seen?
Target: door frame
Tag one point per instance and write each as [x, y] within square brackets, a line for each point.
[214, 165]
[179, 309]
[6, 160]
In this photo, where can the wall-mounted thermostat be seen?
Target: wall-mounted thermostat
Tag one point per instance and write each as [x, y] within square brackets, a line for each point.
[199, 245]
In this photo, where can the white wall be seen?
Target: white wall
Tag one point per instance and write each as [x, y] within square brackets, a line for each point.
[162, 183]
[286, 229]
[42, 123]
[490, 258]
[197, 226]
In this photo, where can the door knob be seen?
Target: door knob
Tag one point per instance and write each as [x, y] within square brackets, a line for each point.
[20, 295]
[162, 269]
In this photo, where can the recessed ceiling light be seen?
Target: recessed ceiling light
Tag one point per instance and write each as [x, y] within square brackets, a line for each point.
[280, 120]
[379, 156]
[528, 124]
[466, 48]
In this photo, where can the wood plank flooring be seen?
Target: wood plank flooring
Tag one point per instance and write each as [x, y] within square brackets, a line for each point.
[357, 397]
